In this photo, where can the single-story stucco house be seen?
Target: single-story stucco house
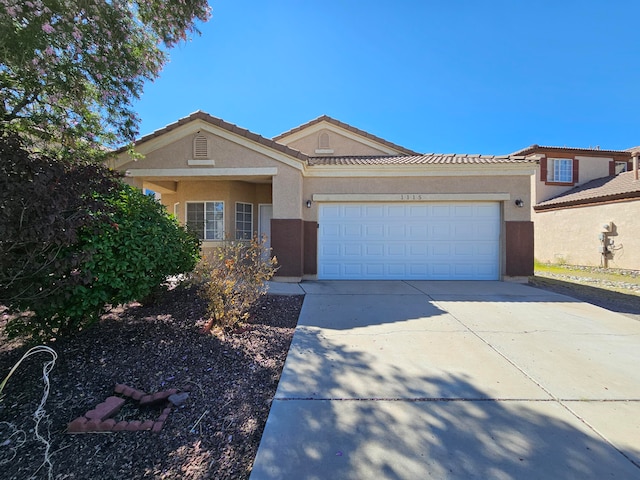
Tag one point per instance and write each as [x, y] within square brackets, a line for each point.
[339, 203]
[586, 206]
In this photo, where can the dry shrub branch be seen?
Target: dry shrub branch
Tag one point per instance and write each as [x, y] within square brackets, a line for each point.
[231, 278]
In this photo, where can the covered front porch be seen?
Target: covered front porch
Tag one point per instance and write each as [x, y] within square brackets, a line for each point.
[237, 207]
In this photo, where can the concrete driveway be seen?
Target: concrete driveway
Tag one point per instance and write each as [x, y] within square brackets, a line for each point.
[444, 380]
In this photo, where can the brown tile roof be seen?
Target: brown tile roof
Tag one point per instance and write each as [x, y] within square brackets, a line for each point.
[346, 126]
[572, 150]
[427, 159]
[200, 115]
[601, 190]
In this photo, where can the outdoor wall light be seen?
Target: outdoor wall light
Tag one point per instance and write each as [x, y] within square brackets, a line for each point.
[308, 203]
[519, 203]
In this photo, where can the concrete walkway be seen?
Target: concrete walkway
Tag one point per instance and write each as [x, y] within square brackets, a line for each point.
[454, 380]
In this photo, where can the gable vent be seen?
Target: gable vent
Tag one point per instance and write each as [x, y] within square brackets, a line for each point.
[200, 147]
[323, 141]
[324, 147]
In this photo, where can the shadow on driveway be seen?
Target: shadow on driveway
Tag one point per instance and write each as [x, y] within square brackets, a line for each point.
[474, 437]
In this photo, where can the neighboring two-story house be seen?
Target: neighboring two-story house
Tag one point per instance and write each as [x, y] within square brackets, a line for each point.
[586, 208]
[337, 202]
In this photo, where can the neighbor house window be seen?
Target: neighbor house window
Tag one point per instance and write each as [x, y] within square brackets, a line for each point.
[206, 219]
[560, 170]
[621, 167]
[244, 221]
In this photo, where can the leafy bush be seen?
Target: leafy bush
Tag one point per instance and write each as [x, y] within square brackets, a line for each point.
[232, 278]
[131, 249]
[44, 205]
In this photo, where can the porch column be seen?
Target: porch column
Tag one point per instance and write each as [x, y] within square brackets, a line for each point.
[287, 226]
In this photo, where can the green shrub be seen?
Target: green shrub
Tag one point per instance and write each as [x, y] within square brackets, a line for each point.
[131, 249]
[44, 205]
[231, 278]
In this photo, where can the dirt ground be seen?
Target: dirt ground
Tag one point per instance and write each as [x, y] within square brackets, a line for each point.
[231, 381]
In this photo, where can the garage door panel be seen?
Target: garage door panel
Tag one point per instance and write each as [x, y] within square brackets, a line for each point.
[484, 211]
[440, 231]
[409, 241]
[353, 250]
[463, 211]
[373, 231]
[375, 270]
[419, 269]
[418, 231]
[463, 231]
[440, 211]
[353, 269]
[374, 211]
[331, 211]
[374, 249]
[352, 211]
[485, 232]
[418, 211]
[396, 250]
[396, 231]
[418, 249]
[330, 230]
[464, 249]
[441, 271]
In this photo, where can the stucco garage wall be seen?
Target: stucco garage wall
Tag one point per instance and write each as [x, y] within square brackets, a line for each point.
[570, 235]
[516, 186]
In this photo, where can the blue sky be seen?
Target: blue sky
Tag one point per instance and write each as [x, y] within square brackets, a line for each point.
[446, 76]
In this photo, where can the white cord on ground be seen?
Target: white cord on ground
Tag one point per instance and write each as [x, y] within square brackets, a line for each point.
[40, 412]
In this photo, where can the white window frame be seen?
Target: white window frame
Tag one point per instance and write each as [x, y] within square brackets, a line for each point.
[556, 173]
[203, 232]
[242, 233]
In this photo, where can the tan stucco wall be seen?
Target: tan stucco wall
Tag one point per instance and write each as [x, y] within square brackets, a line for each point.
[224, 152]
[571, 235]
[516, 186]
[341, 145]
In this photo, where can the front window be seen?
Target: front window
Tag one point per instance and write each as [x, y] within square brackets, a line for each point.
[206, 219]
[244, 221]
[560, 170]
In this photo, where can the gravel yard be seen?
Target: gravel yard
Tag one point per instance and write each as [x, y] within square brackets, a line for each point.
[230, 379]
[616, 290]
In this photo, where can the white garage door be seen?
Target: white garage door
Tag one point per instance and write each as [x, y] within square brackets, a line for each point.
[409, 241]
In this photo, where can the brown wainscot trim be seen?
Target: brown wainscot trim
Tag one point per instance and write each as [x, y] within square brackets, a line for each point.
[310, 266]
[287, 245]
[519, 248]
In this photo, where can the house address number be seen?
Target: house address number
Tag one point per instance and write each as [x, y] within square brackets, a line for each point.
[411, 196]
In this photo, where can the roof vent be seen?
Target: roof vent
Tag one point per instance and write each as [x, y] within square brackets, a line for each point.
[323, 144]
[200, 147]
